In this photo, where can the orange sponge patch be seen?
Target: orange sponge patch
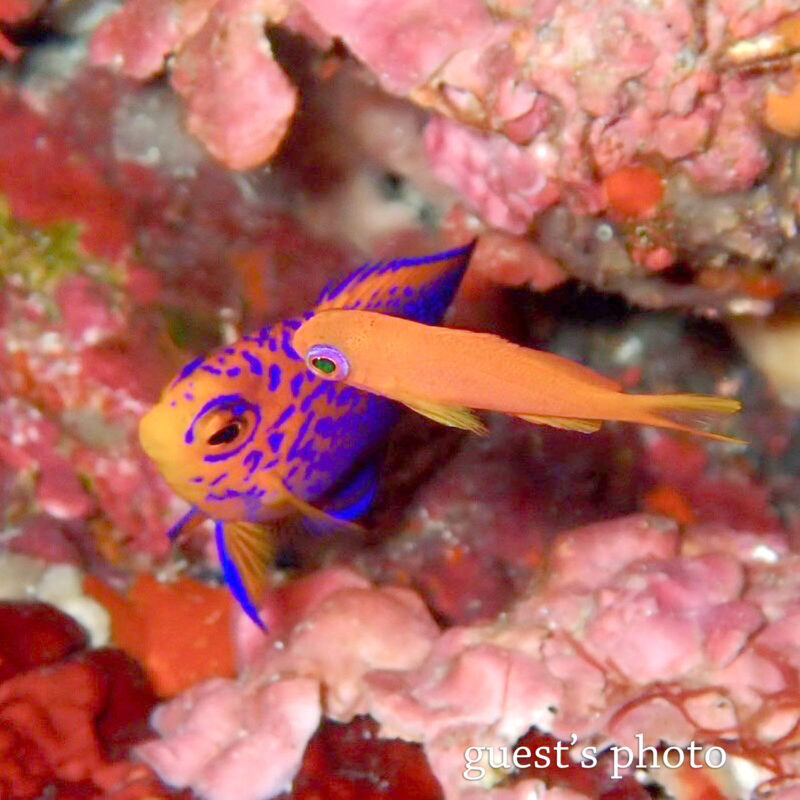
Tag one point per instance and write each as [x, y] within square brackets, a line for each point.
[180, 632]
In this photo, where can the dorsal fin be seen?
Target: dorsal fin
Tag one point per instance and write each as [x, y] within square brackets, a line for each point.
[420, 289]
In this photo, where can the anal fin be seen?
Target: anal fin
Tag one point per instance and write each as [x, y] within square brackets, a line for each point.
[564, 423]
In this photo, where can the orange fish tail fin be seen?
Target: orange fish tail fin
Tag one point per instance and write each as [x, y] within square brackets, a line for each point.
[690, 413]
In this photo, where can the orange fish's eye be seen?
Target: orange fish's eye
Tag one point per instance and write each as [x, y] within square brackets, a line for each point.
[328, 362]
[323, 364]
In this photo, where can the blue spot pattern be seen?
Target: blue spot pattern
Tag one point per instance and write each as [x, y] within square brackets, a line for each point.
[188, 369]
[219, 478]
[255, 365]
[296, 383]
[252, 460]
[274, 377]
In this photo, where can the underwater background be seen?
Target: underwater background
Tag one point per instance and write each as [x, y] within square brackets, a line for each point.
[174, 175]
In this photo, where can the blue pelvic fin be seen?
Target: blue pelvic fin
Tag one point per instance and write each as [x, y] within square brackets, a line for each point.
[419, 289]
[245, 554]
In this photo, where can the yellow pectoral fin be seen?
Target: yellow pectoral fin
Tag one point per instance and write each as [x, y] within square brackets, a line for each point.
[565, 423]
[452, 416]
[327, 520]
[251, 548]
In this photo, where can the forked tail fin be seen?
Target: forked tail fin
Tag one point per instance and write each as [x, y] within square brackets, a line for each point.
[683, 412]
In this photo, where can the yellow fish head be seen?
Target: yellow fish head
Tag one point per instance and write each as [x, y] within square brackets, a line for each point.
[199, 435]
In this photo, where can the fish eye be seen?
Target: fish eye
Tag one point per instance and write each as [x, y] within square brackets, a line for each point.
[327, 362]
[227, 434]
[323, 364]
[224, 427]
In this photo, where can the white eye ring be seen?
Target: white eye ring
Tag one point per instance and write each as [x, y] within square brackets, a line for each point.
[327, 362]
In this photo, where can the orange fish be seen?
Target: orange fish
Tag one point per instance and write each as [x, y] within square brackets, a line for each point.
[444, 374]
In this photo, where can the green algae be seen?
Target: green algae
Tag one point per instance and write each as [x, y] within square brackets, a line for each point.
[37, 258]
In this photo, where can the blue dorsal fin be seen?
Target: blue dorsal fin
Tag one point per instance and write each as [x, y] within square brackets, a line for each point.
[419, 289]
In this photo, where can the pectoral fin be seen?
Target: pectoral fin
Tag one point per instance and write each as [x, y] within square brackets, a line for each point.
[245, 553]
[565, 423]
[452, 416]
[316, 515]
[322, 519]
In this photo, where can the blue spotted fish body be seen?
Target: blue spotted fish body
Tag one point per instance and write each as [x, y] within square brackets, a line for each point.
[252, 438]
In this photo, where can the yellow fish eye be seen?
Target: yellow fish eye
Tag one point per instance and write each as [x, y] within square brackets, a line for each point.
[225, 428]
[227, 433]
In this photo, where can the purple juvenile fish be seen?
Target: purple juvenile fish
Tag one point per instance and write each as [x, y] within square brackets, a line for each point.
[253, 439]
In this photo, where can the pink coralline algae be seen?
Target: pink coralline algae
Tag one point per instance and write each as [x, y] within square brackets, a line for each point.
[607, 84]
[69, 339]
[235, 743]
[506, 182]
[239, 100]
[636, 630]
[389, 628]
[536, 100]
[59, 381]
[403, 43]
